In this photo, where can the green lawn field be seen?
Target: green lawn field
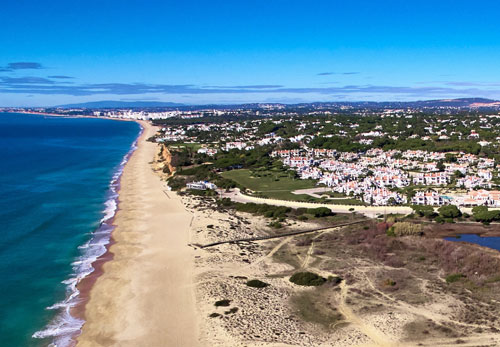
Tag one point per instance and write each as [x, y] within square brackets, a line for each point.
[277, 185]
[273, 185]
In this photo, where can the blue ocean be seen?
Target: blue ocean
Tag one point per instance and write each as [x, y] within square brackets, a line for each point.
[58, 184]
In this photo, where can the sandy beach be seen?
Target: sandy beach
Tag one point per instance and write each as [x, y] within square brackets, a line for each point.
[145, 295]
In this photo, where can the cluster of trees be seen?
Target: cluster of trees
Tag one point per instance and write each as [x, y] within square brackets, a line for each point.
[198, 173]
[181, 157]
[265, 210]
[424, 211]
[444, 214]
[268, 127]
[483, 215]
[404, 128]
[320, 212]
[257, 157]
[176, 183]
[404, 144]
[345, 144]
[449, 213]
[275, 212]
[342, 144]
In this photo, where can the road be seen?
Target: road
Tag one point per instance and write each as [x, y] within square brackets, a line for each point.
[368, 211]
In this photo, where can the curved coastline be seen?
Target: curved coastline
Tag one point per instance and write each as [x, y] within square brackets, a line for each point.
[66, 325]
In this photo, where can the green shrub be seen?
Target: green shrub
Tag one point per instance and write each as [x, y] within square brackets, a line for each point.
[196, 192]
[225, 183]
[226, 202]
[439, 219]
[231, 310]
[269, 214]
[307, 279]
[302, 218]
[200, 173]
[334, 279]
[224, 302]
[454, 278]
[257, 284]
[449, 211]
[481, 214]
[301, 211]
[176, 183]
[479, 209]
[390, 283]
[276, 225]
[263, 209]
[320, 212]
[390, 232]
[424, 210]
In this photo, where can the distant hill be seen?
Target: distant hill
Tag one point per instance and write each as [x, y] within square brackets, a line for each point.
[121, 104]
[463, 102]
[428, 104]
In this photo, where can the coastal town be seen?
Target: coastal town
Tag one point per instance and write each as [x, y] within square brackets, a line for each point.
[420, 154]
[363, 159]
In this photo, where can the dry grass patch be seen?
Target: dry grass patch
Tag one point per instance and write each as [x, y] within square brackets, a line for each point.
[314, 307]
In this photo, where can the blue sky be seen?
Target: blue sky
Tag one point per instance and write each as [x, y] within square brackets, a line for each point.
[197, 52]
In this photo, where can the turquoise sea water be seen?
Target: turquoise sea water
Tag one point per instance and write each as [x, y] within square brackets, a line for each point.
[58, 181]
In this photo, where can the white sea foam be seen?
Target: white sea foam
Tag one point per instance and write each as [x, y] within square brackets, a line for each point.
[64, 326]
[110, 209]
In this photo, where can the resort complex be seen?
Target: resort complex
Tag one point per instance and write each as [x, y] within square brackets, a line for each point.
[385, 158]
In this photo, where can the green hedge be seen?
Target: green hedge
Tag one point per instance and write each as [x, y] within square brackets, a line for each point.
[307, 279]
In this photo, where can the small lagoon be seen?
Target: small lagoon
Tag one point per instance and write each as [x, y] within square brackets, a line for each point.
[490, 242]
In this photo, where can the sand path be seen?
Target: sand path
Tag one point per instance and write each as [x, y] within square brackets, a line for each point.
[145, 296]
[374, 334]
[429, 314]
[271, 253]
